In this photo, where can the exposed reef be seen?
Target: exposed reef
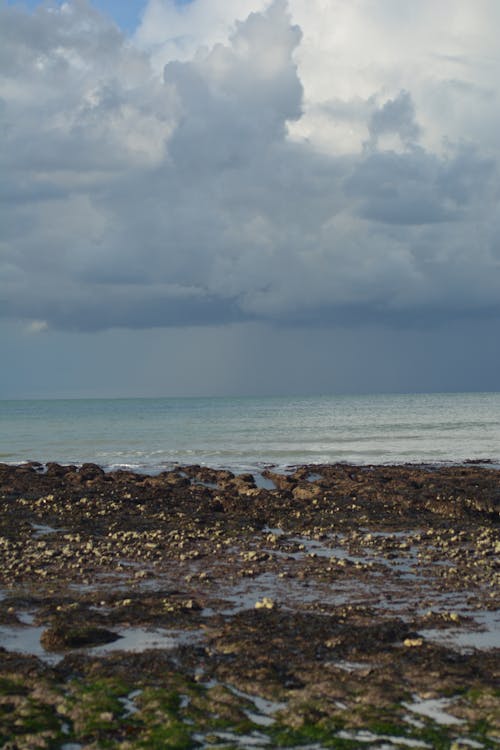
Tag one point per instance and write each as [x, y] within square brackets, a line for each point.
[331, 606]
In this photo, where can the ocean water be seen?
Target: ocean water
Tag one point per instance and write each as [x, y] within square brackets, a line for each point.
[246, 434]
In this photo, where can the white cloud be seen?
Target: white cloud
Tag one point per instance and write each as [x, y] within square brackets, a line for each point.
[445, 55]
[315, 162]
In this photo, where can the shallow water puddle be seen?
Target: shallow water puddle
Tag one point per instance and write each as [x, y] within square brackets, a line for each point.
[351, 666]
[292, 593]
[484, 634]
[128, 703]
[263, 483]
[314, 477]
[399, 594]
[365, 736]
[27, 618]
[273, 530]
[465, 742]
[200, 483]
[433, 708]
[312, 546]
[259, 719]
[41, 529]
[389, 535]
[27, 641]
[244, 741]
[137, 640]
[404, 564]
[122, 581]
[264, 708]
[464, 639]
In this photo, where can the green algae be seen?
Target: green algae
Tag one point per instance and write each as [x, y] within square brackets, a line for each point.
[319, 733]
[24, 718]
[94, 710]
[482, 731]
[175, 715]
[174, 736]
[11, 685]
[158, 721]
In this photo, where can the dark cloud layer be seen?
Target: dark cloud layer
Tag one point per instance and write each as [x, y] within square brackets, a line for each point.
[133, 200]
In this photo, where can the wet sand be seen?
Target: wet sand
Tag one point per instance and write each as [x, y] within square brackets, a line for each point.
[332, 606]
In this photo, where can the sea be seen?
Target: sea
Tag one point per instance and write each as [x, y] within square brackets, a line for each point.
[252, 433]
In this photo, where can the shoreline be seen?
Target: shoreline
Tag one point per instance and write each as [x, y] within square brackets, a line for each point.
[255, 468]
[335, 604]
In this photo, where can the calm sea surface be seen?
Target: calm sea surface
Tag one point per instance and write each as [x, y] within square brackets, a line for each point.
[249, 433]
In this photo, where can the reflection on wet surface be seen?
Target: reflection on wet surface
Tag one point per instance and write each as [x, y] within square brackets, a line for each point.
[128, 703]
[484, 633]
[264, 709]
[264, 482]
[288, 592]
[41, 529]
[137, 640]
[26, 640]
[231, 739]
[433, 709]
[370, 737]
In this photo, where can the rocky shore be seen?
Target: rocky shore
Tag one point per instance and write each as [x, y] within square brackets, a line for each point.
[330, 607]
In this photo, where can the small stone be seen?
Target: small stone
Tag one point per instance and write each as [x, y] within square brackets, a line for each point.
[192, 604]
[413, 642]
[265, 603]
[333, 642]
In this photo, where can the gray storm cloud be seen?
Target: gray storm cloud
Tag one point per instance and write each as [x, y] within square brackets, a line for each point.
[131, 199]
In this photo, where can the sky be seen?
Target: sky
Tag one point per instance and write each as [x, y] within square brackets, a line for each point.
[249, 197]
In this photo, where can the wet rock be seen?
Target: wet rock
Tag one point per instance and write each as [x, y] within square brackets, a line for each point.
[306, 492]
[57, 470]
[191, 551]
[61, 637]
[90, 471]
[244, 484]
